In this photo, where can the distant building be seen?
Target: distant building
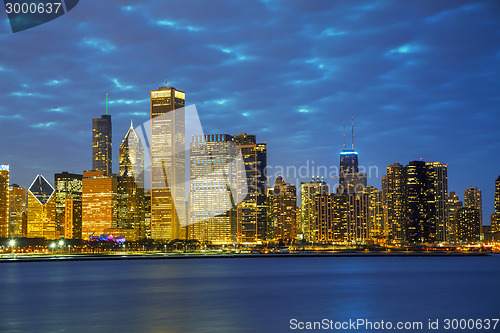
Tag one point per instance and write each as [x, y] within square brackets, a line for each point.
[473, 199]
[41, 210]
[495, 217]
[99, 203]
[67, 186]
[351, 180]
[283, 206]
[468, 225]
[376, 215]
[396, 203]
[437, 174]
[453, 205]
[251, 211]
[308, 207]
[101, 144]
[4, 200]
[17, 211]
[73, 219]
[331, 218]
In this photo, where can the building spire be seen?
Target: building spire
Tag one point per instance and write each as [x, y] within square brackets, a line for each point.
[131, 123]
[344, 135]
[106, 103]
[352, 133]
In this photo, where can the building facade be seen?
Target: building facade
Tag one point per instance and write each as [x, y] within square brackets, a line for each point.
[41, 210]
[4, 201]
[102, 144]
[67, 186]
[17, 211]
[396, 203]
[283, 211]
[308, 207]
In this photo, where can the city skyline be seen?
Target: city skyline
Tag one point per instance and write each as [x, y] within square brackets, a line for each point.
[416, 77]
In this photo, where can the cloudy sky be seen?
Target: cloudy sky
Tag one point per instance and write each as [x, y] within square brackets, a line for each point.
[421, 79]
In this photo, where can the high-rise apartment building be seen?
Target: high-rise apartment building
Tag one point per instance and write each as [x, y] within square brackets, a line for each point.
[473, 199]
[438, 175]
[67, 186]
[495, 217]
[251, 211]
[283, 216]
[453, 204]
[468, 225]
[396, 202]
[17, 211]
[308, 207]
[376, 215]
[41, 210]
[167, 163]
[4, 200]
[101, 144]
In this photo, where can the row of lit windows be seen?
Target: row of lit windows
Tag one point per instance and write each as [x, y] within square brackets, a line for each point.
[208, 213]
[209, 186]
[213, 160]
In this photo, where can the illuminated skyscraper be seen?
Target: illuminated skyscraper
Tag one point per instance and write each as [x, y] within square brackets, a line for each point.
[131, 185]
[468, 225]
[167, 162]
[17, 211]
[453, 204]
[41, 210]
[420, 205]
[396, 202]
[473, 199]
[376, 215]
[67, 186]
[283, 205]
[99, 203]
[251, 211]
[331, 218]
[358, 224]
[213, 173]
[101, 144]
[495, 217]
[308, 207]
[4, 200]
[351, 180]
[438, 175]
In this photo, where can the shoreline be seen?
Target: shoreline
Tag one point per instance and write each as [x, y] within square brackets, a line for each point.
[180, 256]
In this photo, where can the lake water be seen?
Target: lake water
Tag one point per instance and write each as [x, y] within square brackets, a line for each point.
[245, 294]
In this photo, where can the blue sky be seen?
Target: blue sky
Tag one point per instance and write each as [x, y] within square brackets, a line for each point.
[421, 79]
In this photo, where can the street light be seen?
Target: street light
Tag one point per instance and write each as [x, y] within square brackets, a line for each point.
[12, 243]
[52, 246]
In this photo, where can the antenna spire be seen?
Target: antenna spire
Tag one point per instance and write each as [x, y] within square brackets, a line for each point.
[131, 123]
[344, 135]
[352, 133]
[106, 103]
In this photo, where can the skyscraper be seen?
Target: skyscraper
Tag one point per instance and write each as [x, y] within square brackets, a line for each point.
[67, 186]
[351, 180]
[213, 175]
[308, 207]
[17, 211]
[474, 199]
[453, 204]
[251, 211]
[167, 162]
[130, 184]
[283, 206]
[73, 219]
[495, 217]
[4, 200]
[468, 225]
[438, 175]
[396, 202]
[376, 215]
[41, 210]
[420, 208]
[99, 203]
[101, 144]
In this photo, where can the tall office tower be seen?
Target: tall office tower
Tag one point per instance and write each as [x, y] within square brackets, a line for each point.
[17, 211]
[251, 211]
[351, 180]
[73, 219]
[99, 201]
[147, 214]
[213, 175]
[495, 217]
[420, 204]
[376, 215]
[167, 163]
[384, 181]
[473, 199]
[67, 186]
[101, 144]
[308, 210]
[4, 201]
[453, 204]
[41, 210]
[130, 184]
[396, 203]
[438, 174]
[283, 206]
[468, 225]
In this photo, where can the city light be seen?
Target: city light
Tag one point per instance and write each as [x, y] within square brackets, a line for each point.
[12, 243]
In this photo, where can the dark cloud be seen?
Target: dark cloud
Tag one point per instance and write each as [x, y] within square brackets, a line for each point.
[420, 77]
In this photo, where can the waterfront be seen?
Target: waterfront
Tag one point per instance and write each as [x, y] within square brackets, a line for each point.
[242, 294]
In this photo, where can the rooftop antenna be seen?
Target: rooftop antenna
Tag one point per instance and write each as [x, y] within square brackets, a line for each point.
[106, 103]
[344, 135]
[131, 123]
[166, 84]
[352, 133]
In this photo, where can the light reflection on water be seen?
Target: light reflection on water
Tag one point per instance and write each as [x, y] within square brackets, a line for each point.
[242, 295]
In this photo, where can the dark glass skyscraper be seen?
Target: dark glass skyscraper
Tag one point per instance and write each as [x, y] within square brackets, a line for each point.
[67, 186]
[351, 180]
[101, 144]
